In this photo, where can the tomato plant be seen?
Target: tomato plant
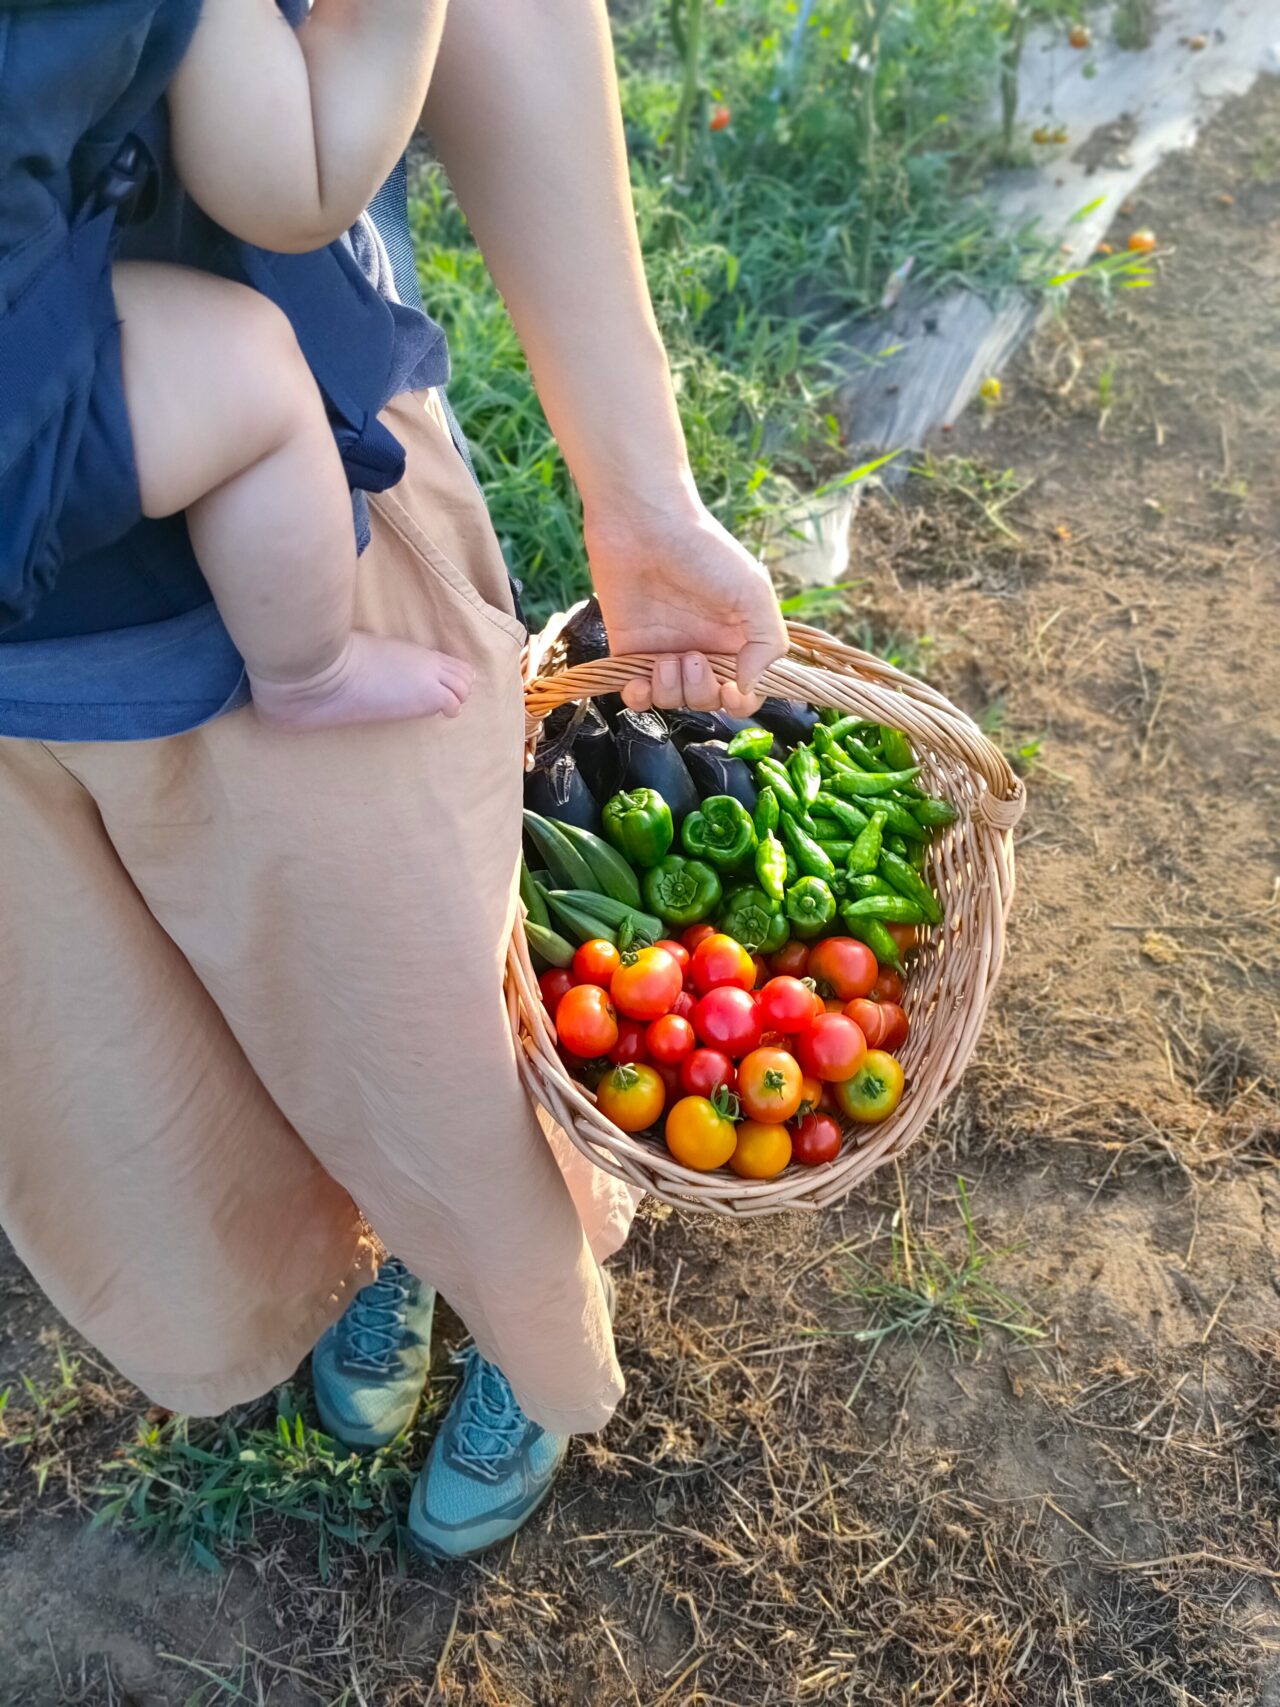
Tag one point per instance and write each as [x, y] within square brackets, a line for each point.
[844, 966]
[631, 1096]
[700, 1132]
[554, 984]
[833, 1048]
[703, 1072]
[587, 1021]
[728, 1018]
[788, 1005]
[770, 1084]
[671, 1040]
[763, 1150]
[875, 1089]
[596, 962]
[719, 960]
[815, 1140]
[644, 987]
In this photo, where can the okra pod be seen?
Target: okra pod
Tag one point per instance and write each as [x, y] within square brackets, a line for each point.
[564, 862]
[609, 911]
[531, 895]
[548, 945]
[612, 873]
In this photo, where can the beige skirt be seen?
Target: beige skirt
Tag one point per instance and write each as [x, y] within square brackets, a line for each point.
[251, 1007]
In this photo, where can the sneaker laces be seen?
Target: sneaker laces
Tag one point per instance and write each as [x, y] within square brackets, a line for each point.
[373, 1328]
[491, 1427]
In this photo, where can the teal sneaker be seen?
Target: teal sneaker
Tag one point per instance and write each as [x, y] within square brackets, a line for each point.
[489, 1470]
[369, 1369]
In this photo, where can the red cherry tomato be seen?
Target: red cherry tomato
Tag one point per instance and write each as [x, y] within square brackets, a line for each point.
[888, 987]
[670, 1077]
[684, 1004]
[587, 1021]
[645, 987]
[896, 1027]
[815, 1140]
[791, 961]
[869, 1017]
[721, 117]
[670, 1040]
[762, 970]
[788, 1005]
[904, 936]
[553, 985]
[728, 1018]
[844, 966]
[596, 962]
[833, 1048]
[696, 934]
[719, 960]
[704, 1070]
[631, 1045]
[678, 952]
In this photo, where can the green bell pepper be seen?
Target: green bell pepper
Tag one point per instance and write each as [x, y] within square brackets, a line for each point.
[810, 906]
[639, 825]
[771, 867]
[681, 891]
[756, 921]
[721, 831]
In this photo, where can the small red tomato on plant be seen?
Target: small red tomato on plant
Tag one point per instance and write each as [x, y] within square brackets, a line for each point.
[844, 966]
[587, 1021]
[554, 984]
[888, 987]
[718, 960]
[646, 984]
[678, 952]
[763, 1150]
[671, 1040]
[596, 962]
[815, 1140]
[770, 1084]
[703, 1072]
[631, 1044]
[632, 1096]
[728, 1018]
[833, 1048]
[696, 934]
[721, 118]
[874, 1091]
[791, 960]
[787, 1004]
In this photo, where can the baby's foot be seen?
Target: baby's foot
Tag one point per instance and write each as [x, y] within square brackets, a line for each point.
[374, 680]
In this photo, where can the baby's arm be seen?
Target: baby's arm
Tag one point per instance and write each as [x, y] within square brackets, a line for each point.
[283, 135]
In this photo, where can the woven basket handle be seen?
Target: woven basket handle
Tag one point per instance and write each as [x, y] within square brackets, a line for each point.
[823, 670]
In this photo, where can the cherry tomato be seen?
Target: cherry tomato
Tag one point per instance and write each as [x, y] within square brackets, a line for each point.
[1081, 36]
[770, 1084]
[728, 1019]
[897, 1027]
[632, 1096]
[684, 1004]
[875, 1089]
[791, 960]
[1141, 242]
[699, 1135]
[788, 1005]
[762, 970]
[762, 1150]
[831, 1004]
[869, 1017]
[553, 985]
[888, 987]
[646, 988]
[833, 1048]
[815, 1140]
[596, 962]
[905, 936]
[720, 119]
[587, 1021]
[631, 1044]
[696, 934]
[671, 1040]
[670, 1077]
[703, 1072]
[811, 1092]
[844, 966]
[678, 952]
[719, 960]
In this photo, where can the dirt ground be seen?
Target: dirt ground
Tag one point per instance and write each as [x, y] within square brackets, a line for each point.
[1090, 1518]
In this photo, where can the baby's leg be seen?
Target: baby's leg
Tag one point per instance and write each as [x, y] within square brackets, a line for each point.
[229, 426]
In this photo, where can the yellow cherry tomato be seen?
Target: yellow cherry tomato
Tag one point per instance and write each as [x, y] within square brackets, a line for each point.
[874, 1091]
[631, 1096]
[698, 1135]
[763, 1150]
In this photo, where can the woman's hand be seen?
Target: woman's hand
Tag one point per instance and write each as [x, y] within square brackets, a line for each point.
[674, 582]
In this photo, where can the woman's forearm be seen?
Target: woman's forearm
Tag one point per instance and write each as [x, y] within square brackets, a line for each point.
[523, 111]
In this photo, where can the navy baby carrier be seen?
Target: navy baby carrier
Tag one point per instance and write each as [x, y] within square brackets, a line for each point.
[83, 178]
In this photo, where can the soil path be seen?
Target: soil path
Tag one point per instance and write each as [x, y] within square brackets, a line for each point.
[1087, 1517]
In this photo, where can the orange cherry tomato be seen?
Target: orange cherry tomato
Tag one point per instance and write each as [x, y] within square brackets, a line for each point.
[587, 1021]
[719, 960]
[644, 987]
[844, 966]
[671, 1040]
[874, 1091]
[631, 1096]
[1081, 36]
[762, 1151]
[596, 962]
[770, 1085]
[678, 952]
[720, 119]
[1142, 242]
[905, 936]
[811, 1094]
[698, 1135]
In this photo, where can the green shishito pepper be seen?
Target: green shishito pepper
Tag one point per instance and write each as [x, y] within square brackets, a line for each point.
[806, 774]
[681, 891]
[765, 817]
[810, 906]
[771, 866]
[751, 744]
[756, 921]
[721, 831]
[639, 825]
[809, 854]
[865, 853]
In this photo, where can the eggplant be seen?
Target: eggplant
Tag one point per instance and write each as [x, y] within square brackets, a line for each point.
[596, 752]
[584, 635]
[650, 759]
[558, 791]
[714, 772]
[791, 720]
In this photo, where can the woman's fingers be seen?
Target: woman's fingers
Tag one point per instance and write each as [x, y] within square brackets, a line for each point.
[688, 680]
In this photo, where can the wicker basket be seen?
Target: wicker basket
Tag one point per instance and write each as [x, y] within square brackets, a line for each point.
[951, 975]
